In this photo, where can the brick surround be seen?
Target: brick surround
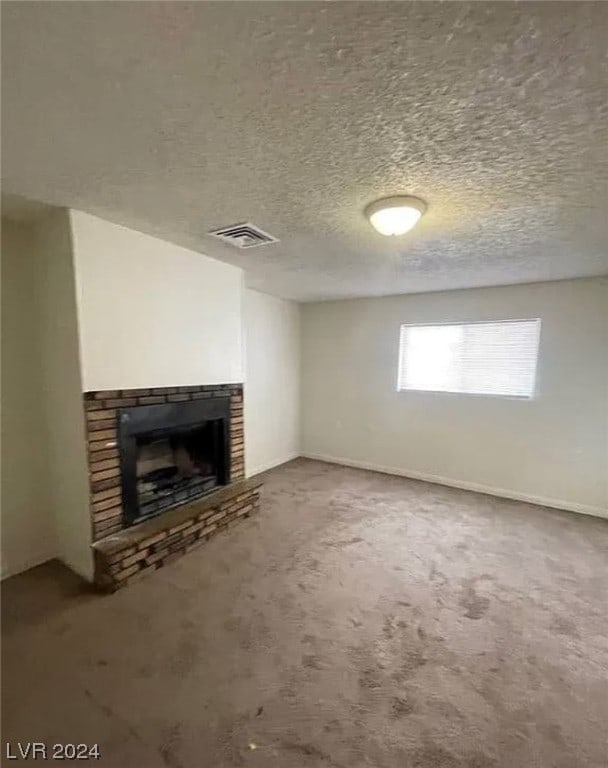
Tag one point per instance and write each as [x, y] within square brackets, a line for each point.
[114, 563]
[104, 469]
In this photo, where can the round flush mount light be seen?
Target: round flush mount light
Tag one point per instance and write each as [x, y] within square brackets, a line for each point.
[395, 215]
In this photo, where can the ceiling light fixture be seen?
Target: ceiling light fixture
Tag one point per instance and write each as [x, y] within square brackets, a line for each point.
[395, 215]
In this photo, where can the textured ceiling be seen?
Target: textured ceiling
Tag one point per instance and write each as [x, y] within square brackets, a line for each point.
[177, 118]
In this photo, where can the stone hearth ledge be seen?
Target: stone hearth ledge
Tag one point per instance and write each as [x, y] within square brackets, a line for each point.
[135, 551]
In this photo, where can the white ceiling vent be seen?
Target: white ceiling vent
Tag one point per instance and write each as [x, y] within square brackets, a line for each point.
[244, 235]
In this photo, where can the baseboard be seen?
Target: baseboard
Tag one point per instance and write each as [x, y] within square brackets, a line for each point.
[543, 501]
[272, 464]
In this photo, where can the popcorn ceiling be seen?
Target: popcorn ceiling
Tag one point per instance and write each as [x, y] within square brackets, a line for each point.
[176, 119]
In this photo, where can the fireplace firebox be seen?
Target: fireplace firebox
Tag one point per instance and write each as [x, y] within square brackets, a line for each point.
[172, 453]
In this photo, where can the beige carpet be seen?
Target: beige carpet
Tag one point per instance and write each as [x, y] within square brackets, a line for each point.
[360, 620]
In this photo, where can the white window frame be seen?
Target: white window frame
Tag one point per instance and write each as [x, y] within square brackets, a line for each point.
[457, 393]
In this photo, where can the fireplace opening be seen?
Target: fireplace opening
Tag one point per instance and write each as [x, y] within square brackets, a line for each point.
[171, 454]
[175, 468]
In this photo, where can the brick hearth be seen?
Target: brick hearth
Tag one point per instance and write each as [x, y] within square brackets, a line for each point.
[142, 548]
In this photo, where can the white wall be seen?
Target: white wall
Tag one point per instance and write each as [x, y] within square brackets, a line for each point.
[552, 449]
[272, 397]
[153, 314]
[26, 520]
[68, 489]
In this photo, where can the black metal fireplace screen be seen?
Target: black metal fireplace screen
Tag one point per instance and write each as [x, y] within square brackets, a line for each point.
[172, 453]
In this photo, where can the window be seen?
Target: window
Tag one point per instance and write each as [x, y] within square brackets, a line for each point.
[496, 358]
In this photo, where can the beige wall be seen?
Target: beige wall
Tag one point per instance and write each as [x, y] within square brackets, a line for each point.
[272, 369]
[26, 520]
[67, 458]
[152, 314]
[552, 449]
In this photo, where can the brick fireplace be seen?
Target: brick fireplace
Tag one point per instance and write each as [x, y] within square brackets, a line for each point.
[166, 472]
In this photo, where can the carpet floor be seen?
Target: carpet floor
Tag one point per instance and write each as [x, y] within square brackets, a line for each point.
[359, 620]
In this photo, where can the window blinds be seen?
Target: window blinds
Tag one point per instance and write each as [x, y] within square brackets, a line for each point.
[497, 358]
